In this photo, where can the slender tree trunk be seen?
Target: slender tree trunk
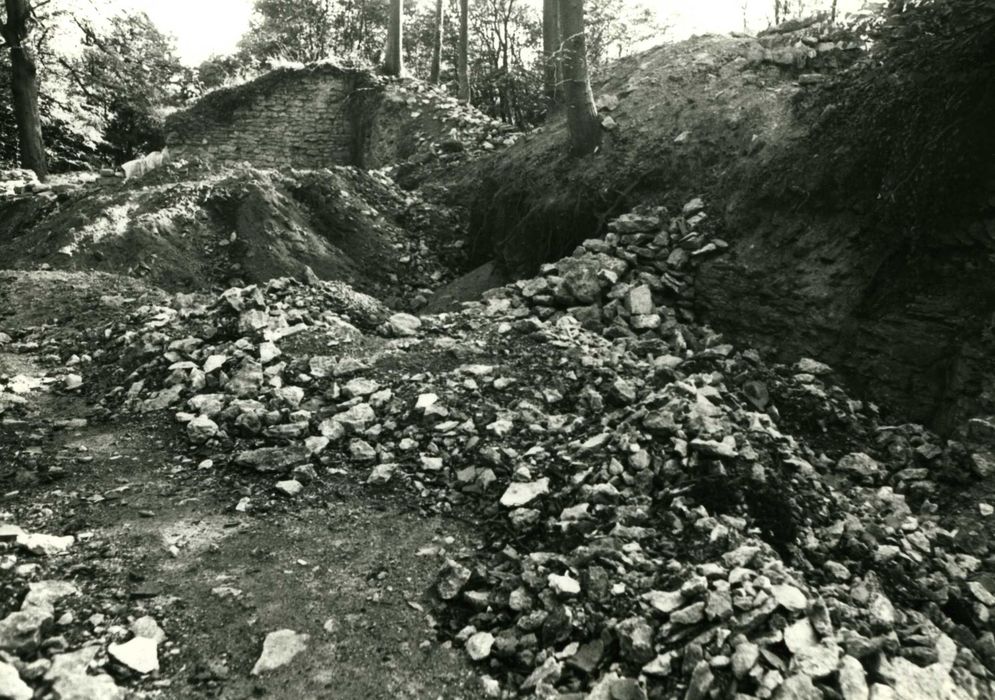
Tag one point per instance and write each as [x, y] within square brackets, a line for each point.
[832, 12]
[24, 87]
[440, 21]
[462, 68]
[582, 115]
[552, 73]
[394, 65]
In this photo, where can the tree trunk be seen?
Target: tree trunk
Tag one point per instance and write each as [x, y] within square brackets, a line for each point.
[440, 20]
[582, 115]
[394, 65]
[462, 69]
[552, 72]
[24, 88]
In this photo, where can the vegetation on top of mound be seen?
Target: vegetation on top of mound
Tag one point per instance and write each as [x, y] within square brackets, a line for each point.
[907, 131]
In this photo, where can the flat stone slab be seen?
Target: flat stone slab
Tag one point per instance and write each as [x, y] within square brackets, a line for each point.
[279, 649]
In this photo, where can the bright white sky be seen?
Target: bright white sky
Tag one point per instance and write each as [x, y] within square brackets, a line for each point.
[205, 27]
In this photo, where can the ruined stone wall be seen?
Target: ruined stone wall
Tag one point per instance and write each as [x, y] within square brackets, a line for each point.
[289, 117]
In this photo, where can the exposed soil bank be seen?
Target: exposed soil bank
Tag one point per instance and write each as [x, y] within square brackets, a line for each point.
[713, 117]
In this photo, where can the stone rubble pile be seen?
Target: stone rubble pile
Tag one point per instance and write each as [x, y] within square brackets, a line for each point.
[814, 47]
[637, 280]
[664, 514]
[33, 648]
[471, 132]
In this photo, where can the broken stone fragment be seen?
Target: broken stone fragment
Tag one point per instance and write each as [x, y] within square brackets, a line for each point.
[635, 637]
[381, 474]
[798, 687]
[714, 448]
[860, 465]
[982, 594]
[744, 658]
[279, 649]
[664, 601]
[564, 585]
[549, 672]
[691, 615]
[693, 206]
[800, 635]
[402, 325]
[701, 682]
[21, 632]
[11, 685]
[852, 679]
[140, 654]
[214, 362]
[71, 681]
[289, 487]
[357, 417]
[268, 351]
[817, 660]
[661, 666]
[201, 429]
[639, 301]
[272, 459]
[519, 494]
[882, 612]
[807, 365]
[316, 444]
[147, 627]
[247, 381]
[453, 576]
[9, 533]
[45, 545]
[789, 597]
[45, 594]
[478, 646]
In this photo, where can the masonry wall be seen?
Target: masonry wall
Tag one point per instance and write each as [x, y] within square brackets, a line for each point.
[290, 117]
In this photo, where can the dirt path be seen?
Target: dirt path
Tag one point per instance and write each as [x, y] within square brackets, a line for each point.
[159, 534]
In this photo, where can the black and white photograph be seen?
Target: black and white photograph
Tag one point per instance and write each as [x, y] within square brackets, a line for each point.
[497, 349]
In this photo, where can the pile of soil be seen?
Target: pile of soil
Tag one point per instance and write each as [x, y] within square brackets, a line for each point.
[193, 226]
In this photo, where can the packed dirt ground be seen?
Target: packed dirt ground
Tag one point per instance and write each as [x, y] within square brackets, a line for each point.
[245, 468]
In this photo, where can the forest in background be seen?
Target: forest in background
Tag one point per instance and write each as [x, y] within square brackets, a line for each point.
[108, 77]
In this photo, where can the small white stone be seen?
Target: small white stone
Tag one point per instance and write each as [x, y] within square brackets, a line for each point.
[564, 585]
[279, 649]
[381, 474]
[518, 494]
[268, 352]
[425, 400]
[478, 646]
[290, 487]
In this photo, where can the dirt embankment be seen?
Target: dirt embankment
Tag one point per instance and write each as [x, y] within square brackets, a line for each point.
[192, 226]
[806, 275]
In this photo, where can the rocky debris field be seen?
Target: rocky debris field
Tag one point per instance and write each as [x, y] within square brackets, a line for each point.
[655, 513]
